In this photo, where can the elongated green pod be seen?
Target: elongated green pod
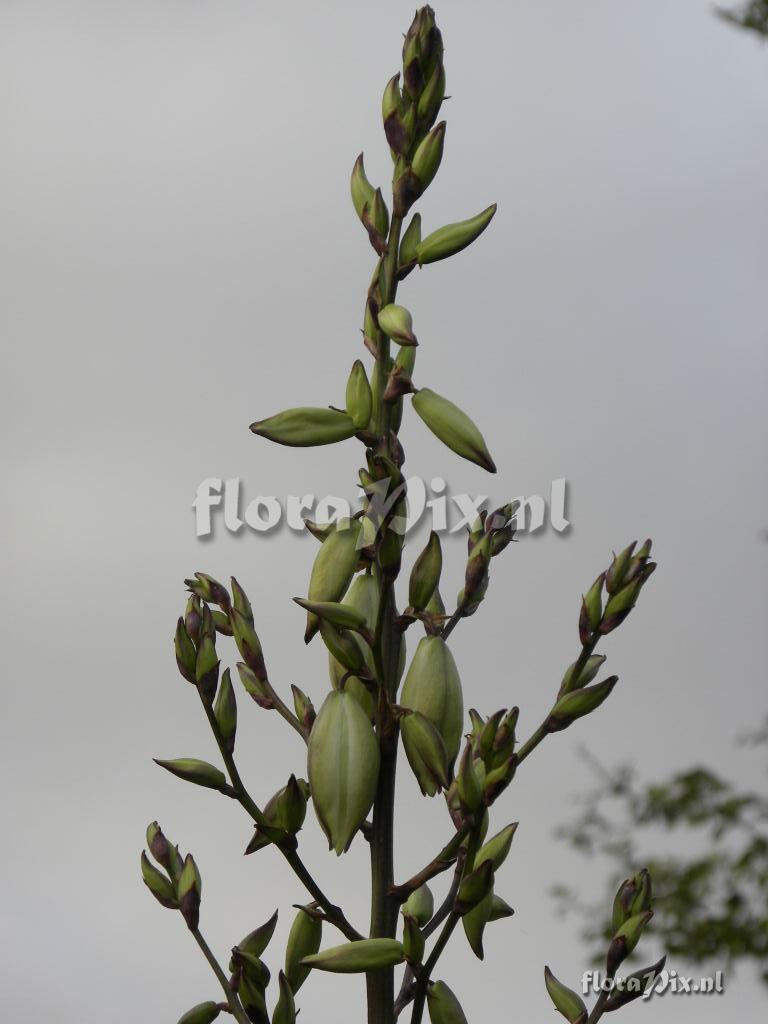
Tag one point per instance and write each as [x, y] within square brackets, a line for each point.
[343, 767]
[256, 942]
[452, 238]
[305, 427]
[358, 396]
[358, 957]
[497, 848]
[453, 427]
[303, 940]
[192, 770]
[333, 568]
[425, 574]
[432, 686]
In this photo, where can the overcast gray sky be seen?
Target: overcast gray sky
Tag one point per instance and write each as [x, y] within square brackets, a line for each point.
[180, 257]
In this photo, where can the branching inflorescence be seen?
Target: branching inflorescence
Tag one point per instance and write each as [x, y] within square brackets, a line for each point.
[352, 742]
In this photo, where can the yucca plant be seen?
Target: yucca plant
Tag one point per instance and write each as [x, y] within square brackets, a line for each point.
[352, 613]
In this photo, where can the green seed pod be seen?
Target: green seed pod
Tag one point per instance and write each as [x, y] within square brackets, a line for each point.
[565, 999]
[425, 751]
[358, 957]
[587, 674]
[474, 923]
[303, 940]
[443, 1006]
[285, 1009]
[453, 427]
[225, 711]
[256, 942]
[361, 189]
[499, 909]
[474, 888]
[203, 1013]
[396, 322]
[413, 940]
[343, 766]
[432, 686]
[410, 241]
[305, 427]
[186, 655]
[207, 668]
[625, 940]
[190, 889]
[425, 574]
[579, 703]
[157, 883]
[428, 156]
[452, 238]
[333, 568]
[358, 396]
[420, 905]
[192, 770]
[496, 849]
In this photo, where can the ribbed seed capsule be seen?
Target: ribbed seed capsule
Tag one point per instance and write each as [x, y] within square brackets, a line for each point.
[333, 568]
[303, 940]
[443, 1006]
[453, 427]
[452, 238]
[433, 687]
[343, 766]
[305, 427]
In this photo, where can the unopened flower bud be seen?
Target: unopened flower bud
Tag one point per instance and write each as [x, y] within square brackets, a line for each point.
[571, 681]
[413, 940]
[158, 884]
[425, 574]
[625, 940]
[443, 1006]
[361, 189]
[497, 848]
[358, 396]
[190, 889]
[474, 888]
[256, 688]
[396, 322]
[203, 1013]
[420, 905]
[428, 156]
[565, 999]
[207, 669]
[333, 568]
[409, 243]
[579, 703]
[474, 922]
[225, 711]
[425, 751]
[303, 706]
[191, 770]
[285, 1008]
[257, 941]
[186, 655]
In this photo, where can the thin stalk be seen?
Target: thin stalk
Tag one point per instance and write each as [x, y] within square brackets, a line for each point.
[233, 1003]
[334, 914]
[424, 975]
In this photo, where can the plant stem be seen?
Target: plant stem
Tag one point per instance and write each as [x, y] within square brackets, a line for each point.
[423, 982]
[233, 1003]
[334, 914]
[381, 984]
